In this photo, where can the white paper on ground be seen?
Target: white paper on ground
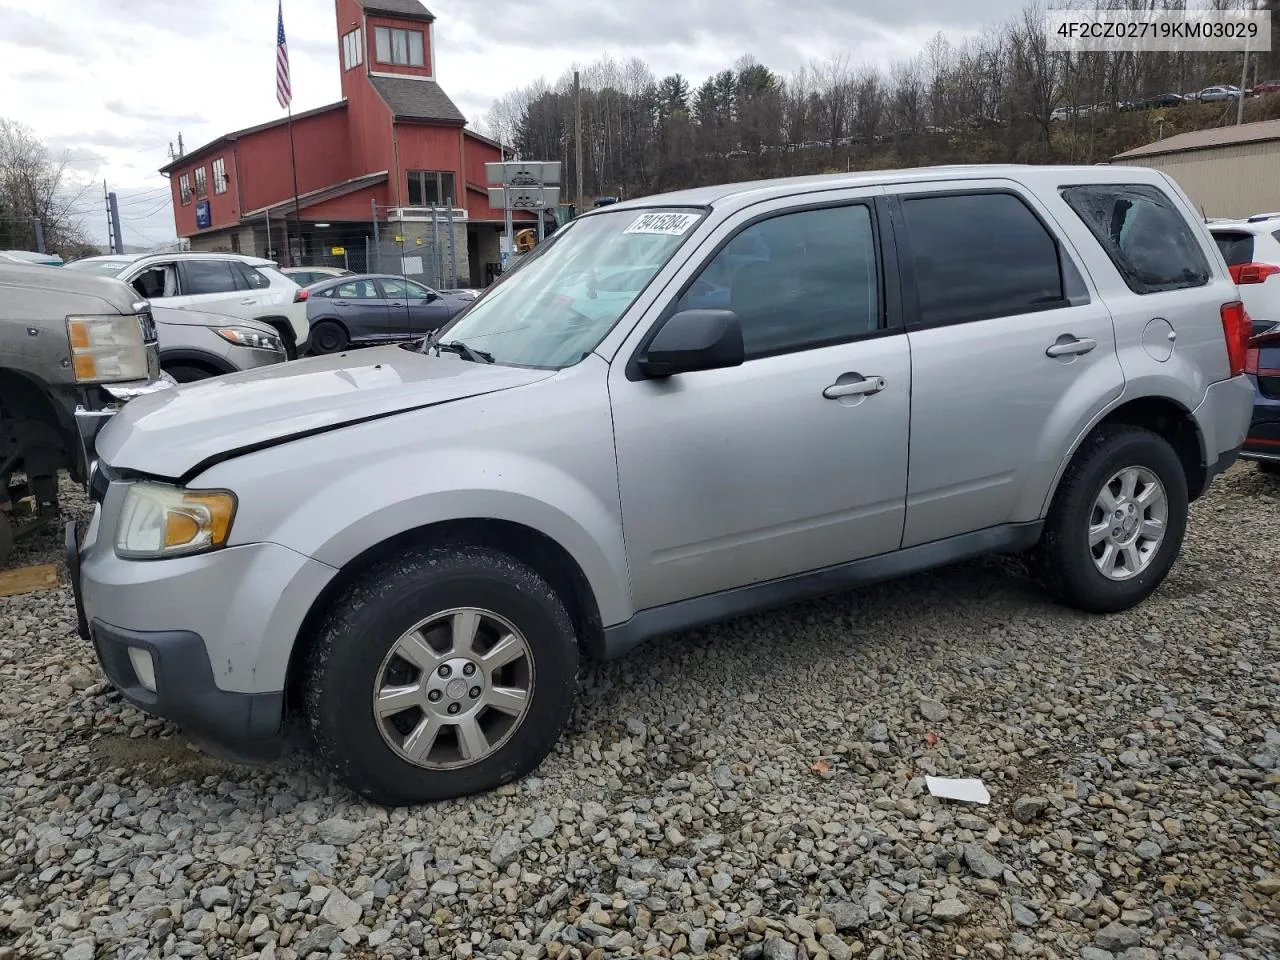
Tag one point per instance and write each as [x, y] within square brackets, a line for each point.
[969, 789]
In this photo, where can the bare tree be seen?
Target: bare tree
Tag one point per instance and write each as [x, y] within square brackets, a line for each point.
[34, 186]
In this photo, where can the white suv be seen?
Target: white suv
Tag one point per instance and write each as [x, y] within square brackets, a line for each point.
[250, 288]
[1252, 250]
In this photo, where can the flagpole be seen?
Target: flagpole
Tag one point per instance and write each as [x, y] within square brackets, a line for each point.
[297, 215]
[284, 93]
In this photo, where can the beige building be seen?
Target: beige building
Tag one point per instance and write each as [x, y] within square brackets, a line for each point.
[1226, 171]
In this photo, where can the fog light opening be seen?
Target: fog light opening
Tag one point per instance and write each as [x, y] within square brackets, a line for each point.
[144, 667]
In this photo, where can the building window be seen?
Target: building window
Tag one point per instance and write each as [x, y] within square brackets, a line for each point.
[202, 188]
[352, 52]
[235, 243]
[184, 188]
[219, 176]
[402, 47]
[429, 186]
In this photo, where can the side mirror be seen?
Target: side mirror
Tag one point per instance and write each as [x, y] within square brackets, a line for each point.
[694, 340]
[432, 295]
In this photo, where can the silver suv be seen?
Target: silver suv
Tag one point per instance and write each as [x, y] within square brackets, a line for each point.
[679, 409]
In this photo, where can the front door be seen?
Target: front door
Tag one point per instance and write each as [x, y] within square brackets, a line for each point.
[797, 459]
[1011, 355]
[360, 306]
[414, 309]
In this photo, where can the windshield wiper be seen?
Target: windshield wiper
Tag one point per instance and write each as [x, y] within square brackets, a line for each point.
[464, 351]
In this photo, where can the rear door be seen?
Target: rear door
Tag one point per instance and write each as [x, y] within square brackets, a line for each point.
[215, 286]
[360, 306]
[1010, 354]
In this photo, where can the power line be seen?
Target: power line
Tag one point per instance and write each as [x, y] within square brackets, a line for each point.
[148, 214]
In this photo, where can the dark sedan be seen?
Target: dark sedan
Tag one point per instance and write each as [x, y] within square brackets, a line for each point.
[374, 308]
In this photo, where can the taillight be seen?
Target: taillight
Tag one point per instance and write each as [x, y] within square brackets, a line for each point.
[1253, 272]
[1237, 328]
[301, 295]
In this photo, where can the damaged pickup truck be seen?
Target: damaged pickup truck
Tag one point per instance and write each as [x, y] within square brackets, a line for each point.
[73, 348]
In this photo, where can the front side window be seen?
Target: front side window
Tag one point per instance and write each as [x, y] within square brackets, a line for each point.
[1142, 232]
[796, 281]
[352, 52]
[208, 276]
[401, 47]
[427, 187]
[202, 189]
[400, 289]
[184, 188]
[219, 176]
[979, 256]
[556, 305]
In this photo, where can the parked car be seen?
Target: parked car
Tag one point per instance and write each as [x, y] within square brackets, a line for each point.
[108, 265]
[304, 276]
[1266, 86]
[196, 345]
[463, 293]
[250, 288]
[1251, 249]
[571, 467]
[1158, 102]
[26, 258]
[72, 349]
[371, 307]
[1219, 93]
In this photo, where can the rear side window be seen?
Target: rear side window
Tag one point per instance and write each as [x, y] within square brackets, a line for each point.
[208, 276]
[1145, 236]
[979, 256]
[251, 277]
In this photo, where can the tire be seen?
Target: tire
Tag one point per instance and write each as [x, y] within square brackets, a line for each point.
[328, 336]
[6, 539]
[185, 373]
[1269, 468]
[356, 654]
[1064, 558]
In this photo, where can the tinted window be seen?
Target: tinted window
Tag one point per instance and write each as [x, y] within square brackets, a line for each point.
[208, 276]
[980, 256]
[251, 277]
[357, 290]
[1145, 236]
[1236, 246]
[795, 281]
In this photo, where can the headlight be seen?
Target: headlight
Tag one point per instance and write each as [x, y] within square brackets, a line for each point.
[244, 337]
[107, 349]
[158, 520]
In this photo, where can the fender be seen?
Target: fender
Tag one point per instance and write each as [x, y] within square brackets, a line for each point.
[188, 355]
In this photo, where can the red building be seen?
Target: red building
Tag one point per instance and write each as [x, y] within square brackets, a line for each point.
[392, 147]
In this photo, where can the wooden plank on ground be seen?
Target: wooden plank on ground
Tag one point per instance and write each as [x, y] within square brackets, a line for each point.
[43, 576]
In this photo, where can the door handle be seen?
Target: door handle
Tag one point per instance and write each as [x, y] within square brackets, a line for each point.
[856, 388]
[249, 302]
[341, 303]
[1068, 346]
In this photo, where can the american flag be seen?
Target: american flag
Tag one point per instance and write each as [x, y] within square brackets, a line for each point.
[284, 93]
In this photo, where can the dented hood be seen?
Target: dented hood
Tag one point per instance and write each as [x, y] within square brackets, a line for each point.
[172, 432]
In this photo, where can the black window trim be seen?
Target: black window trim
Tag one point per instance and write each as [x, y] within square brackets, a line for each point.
[1173, 208]
[888, 294]
[1073, 283]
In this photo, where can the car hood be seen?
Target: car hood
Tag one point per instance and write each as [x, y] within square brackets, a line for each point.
[176, 432]
[181, 316]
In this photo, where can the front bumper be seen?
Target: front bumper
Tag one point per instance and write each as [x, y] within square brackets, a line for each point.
[219, 628]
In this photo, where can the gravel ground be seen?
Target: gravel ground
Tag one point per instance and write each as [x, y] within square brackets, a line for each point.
[756, 790]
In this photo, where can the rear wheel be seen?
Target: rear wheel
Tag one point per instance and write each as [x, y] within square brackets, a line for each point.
[328, 336]
[1117, 521]
[6, 538]
[445, 672]
[1269, 468]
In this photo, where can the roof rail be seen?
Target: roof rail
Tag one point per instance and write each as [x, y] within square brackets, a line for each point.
[1259, 217]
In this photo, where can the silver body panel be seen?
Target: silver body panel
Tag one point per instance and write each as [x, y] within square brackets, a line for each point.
[659, 491]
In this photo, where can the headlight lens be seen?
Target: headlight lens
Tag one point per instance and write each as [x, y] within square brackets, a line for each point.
[159, 520]
[244, 337]
[107, 349]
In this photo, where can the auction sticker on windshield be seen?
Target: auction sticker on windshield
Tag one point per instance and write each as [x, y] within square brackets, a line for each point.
[666, 224]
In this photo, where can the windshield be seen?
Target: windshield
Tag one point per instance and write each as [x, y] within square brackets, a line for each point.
[561, 300]
[109, 268]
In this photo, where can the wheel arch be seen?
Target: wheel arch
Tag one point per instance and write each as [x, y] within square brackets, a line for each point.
[213, 364]
[530, 546]
[1162, 415]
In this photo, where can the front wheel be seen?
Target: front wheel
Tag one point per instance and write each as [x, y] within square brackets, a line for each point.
[1117, 521]
[447, 671]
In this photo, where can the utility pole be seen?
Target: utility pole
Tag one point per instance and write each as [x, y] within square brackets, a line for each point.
[1244, 80]
[114, 207]
[577, 137]
[39, 225]
[377, 249]
[111, 233]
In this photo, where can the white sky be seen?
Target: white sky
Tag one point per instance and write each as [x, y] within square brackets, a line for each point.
[113, 82]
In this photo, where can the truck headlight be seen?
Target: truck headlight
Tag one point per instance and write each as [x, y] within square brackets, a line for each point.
[107, 349]
[159, 520]
[244, 337]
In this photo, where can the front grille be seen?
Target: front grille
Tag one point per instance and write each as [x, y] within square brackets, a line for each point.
[148, 323]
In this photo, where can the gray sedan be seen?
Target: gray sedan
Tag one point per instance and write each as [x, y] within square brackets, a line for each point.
[196, 345]
[373, 308]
